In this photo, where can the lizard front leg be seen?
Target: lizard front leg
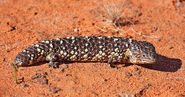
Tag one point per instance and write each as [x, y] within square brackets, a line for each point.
[112, 60]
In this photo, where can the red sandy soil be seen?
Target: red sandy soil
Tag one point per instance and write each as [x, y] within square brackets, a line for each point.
[24, 22]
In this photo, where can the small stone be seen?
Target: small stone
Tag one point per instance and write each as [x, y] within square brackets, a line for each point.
[76, 30]
[128, 75]
[54, 89]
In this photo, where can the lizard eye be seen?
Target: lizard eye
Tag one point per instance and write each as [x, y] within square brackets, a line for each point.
[144, 55]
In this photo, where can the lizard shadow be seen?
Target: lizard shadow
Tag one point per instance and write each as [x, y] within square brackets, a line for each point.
[35, 64]
[164, 64]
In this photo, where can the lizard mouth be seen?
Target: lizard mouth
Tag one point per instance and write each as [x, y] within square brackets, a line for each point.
[143, 61]
[138, 59]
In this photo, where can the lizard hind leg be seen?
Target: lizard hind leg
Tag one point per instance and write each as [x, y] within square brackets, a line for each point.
[52, 58]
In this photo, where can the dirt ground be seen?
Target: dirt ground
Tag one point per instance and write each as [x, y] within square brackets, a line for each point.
[161, 22]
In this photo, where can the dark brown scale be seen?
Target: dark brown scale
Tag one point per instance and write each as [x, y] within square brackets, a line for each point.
[32, 52]
[92, 48]
[44, 46]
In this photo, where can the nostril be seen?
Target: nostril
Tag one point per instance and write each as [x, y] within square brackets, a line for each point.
[21, 59]
[153, 56]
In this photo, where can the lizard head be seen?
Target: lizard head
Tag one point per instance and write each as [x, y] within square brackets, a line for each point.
[21, 59]
[141, 52]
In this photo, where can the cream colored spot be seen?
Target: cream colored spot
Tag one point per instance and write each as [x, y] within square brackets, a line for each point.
[38, 49]
[126, 45]
[86, 50]
[36, 45]
[85, 56]
[115, 44]
[94, 58]
[103, 49]
[112, 53]
[65, 53]
[64, 48]
[61, 42]
[48, 57]
[108, 36]
[99, 37]
[98, 56]
[72, 52]
[120, 57]
[61, 52]
[47, 42]
[38, 54]
[62, 56]
[67, 37]
[103, 54]
[72, 37]
[83, 52]
[31, 58]
[116, 50]
[24, 51]
[76, 53]
[75, 48]
[73, 41]
[100, 52]
[32, 55]
[128, 53]
[100, 46]
[51, 45]
[57, 38]
[86, 44]
[42, 52]
[116, 54]
[130, 40]
[109, 56]
[88, 39]
[120, 54]
[115, 39]
[73, 57]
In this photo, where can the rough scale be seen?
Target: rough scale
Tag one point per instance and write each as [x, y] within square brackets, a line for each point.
[88, 48]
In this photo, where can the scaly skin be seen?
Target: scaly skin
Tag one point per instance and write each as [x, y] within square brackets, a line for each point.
[88, 48]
